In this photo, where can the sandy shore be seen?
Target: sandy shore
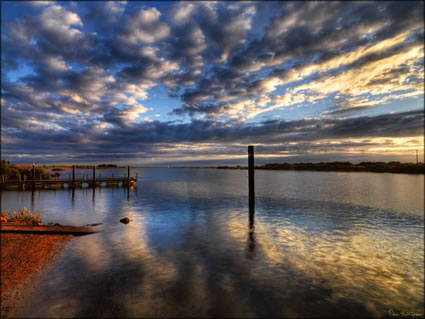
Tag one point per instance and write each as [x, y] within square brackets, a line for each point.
[25, 259]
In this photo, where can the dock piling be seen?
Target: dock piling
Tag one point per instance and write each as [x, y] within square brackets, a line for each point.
[128, 175]
[251, 178]
[94, 176]
[73, 176]
[33, 176]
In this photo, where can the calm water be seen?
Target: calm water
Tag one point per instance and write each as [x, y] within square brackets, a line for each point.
[319, 244]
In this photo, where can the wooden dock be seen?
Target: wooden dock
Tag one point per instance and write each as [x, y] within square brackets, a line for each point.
[71, 182]
[60, 183]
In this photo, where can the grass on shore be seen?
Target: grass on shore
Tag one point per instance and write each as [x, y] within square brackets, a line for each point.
[23, 216]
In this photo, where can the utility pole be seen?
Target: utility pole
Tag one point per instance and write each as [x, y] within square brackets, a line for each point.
[417, 161]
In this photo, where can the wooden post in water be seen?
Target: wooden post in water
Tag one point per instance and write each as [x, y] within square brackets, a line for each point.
[73, 176]
[251, 178]
[94, 175]
[128, 175]
[33, 176]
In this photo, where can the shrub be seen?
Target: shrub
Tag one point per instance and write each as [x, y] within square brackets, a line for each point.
[24, 216]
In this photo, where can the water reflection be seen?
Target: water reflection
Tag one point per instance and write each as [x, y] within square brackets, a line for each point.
[73, 197]
[194, 248]
[32, 199]
[251, 234]
[93, 196]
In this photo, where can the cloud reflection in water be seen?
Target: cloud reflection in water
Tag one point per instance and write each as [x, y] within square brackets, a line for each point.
[192, 249]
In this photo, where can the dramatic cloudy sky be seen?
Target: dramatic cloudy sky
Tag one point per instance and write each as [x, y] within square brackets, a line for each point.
[194, 83]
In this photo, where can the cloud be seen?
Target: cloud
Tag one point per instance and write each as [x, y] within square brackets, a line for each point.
[125, 116]
[95, 70]
[104, 15]
[225, 26]
[333, 64]
[228, 28]
[87, 87]
[151, 71]
[144, 26]
[188, 46]
[374, 78]
[301, 136]
[39, 3]
[54, 64]
[182, 12]
[25, 97]
[57, 23]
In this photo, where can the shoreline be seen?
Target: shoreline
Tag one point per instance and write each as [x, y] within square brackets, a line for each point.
[368, 167]
[25, 260]
[66, 167]
[322, 171]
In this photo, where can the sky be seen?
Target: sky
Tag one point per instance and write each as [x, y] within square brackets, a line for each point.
[195, 83]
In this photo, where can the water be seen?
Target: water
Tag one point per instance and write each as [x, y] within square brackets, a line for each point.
[319, 244]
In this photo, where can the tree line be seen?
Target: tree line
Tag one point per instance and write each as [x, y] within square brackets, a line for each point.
[377, 167]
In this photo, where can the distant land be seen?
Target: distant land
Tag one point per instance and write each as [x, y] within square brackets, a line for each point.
[376, 167]
[63, 167]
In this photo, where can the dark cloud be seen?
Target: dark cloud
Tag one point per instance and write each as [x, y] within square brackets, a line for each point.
[75, 75]
[103, 16]
[187, 45]
[83, 139]
[311, 33]
[143, 25]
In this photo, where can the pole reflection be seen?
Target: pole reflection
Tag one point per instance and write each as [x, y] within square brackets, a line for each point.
[73, 198]
[251, 235]
[32, 198]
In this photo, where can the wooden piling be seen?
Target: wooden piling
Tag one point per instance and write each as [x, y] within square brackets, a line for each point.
[73, 176]
[251, 184]
[33, 176]
[94, 176]
[128, 175]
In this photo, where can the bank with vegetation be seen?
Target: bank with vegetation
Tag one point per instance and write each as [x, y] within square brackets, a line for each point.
[11, 172]
[376, 167]
[14, 172]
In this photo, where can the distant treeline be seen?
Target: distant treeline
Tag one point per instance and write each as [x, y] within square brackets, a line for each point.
[377, 167]
[98, 166]
[107, 165]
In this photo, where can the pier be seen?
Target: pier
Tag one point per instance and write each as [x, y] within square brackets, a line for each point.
[84, 180]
